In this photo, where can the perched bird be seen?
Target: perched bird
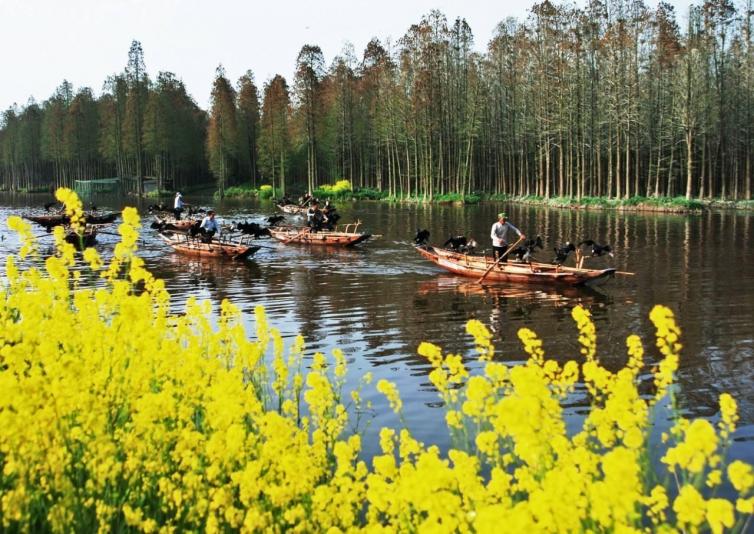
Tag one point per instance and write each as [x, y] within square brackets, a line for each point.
[525, 251]
[469, 247]
[272, 221]
[562, 252]
[422, 236]
[597, 249]
[253, 228]
[455, 242]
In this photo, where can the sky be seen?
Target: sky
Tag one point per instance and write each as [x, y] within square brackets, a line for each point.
[43, 42]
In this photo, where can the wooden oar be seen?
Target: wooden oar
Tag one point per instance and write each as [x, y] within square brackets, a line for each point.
[625, 273]
[503, 255]
[302, 232]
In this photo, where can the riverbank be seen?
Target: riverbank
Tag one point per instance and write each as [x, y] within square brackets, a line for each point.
[632, 204]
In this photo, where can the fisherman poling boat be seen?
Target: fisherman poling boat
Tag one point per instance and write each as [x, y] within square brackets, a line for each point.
[480, 266]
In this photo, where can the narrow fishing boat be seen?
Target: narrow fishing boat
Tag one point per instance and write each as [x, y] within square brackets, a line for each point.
[293, 209]
[513, 272]
[49, 221]
[82, 241]
[297, 234]
[222, 248]
[107, 218]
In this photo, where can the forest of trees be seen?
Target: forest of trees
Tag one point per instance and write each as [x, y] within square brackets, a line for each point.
[612, 98]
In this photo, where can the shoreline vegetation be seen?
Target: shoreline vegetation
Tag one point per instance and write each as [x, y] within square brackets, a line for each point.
[343, 191]
[103, 431]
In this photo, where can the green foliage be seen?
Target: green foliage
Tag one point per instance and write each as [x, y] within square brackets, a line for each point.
[342, 189]
[246, 191]
[267, 191]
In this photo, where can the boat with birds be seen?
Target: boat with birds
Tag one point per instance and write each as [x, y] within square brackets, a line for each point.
[293, 209]
[172, 223]
[58, 219]
[486, 268]
[214, 248]
[349, 236]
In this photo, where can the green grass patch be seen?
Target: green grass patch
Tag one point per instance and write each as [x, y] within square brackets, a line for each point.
[245, 191]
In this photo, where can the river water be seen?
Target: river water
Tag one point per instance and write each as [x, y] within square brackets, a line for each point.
[379, 301]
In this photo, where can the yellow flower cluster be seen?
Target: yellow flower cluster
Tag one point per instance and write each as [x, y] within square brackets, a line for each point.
[119, 415]
[337, 187]
[74, 209]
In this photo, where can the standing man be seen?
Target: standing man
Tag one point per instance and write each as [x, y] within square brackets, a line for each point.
[499, 235]
[178, 204]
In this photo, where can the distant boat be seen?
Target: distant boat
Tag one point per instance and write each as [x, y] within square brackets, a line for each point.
[305, 235]
[293, 209]
[512, 272]
[48, 221]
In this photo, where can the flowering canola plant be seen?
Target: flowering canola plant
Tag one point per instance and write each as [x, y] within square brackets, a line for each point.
[117, 414]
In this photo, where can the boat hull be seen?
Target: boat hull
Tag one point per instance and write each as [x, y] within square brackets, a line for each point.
[513, 272]
[321, 238]
[82, 241]
[214, 249]
[49, 221]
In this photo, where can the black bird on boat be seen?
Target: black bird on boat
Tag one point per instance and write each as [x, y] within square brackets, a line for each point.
[422, 236]
[597, 249]
[455, 242]
[562, 252]
[525, 251]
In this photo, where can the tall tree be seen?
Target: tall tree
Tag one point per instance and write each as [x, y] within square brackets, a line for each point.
[138, 83]
[222, 133]
[248, 128]
[274, 144]
[309, 71]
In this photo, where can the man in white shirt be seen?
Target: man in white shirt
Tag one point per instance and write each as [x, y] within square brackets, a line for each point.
[209, 227]
[178, 204]
[499, 235]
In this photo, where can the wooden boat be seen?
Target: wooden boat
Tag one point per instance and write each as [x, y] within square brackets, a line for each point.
[82, 241]
[222, 248]
[48, 221]
[107, 218]
[513, 272]
[293, 209]
[297, 234]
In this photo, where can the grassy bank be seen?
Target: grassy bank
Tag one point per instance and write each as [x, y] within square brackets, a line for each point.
[637, 203]
[245, 191]
[343, 191]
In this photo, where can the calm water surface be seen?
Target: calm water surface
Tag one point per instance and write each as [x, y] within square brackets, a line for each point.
[378, 302]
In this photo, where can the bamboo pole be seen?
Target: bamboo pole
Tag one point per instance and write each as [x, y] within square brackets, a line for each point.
[503, 255]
